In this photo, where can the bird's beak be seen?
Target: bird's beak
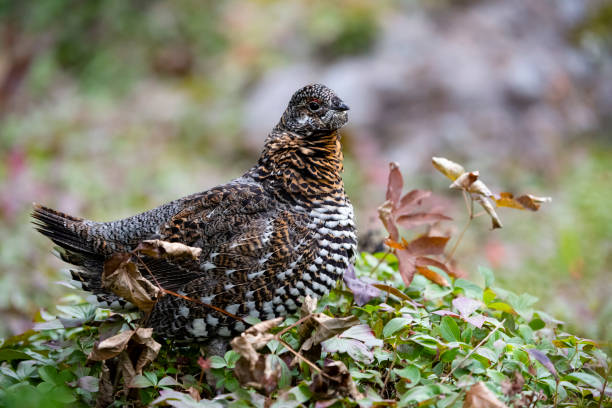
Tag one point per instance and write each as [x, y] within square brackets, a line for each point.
[341, 106]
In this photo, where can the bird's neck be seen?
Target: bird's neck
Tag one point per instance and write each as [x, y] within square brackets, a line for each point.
[304, 168]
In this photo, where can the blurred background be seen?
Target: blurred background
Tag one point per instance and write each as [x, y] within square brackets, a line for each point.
[108, 108]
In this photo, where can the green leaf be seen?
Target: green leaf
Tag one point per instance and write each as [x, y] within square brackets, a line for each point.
[231, 357]
[49, 374]
[410, 373]
[469, 289]
[217, 362]
[589, 379]
[504, 307]
[449, 329]
[10, 354]
[537, 324]
[394, 325]
[285, 377]
[167, 381]
[151, 376]
[487, 275]
[488, 296]
[140, 381]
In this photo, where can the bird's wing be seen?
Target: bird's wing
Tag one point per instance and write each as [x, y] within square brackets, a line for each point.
[240, 230]
[255, 272]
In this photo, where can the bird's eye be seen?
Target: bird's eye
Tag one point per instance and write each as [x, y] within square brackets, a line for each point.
[314, 106]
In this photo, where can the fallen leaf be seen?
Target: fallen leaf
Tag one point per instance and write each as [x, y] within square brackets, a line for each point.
[194, 393]
[122, 277]
[156, 248]
[514, 386]
[479, 396]
[337, 382]
[106, 392]
[254, 338]
[111, 347]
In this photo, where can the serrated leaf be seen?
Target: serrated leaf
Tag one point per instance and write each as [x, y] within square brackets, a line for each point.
[449, 329]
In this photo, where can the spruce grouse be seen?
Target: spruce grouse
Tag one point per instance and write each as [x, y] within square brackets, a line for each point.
[280, 232]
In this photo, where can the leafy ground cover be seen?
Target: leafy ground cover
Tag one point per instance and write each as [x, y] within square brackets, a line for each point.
[404, 329]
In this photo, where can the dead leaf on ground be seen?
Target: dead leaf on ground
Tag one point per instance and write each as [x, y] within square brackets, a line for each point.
[254, 338]
[479, 396]
[338, 382]
[122, 277]
[106, 392]
[138, 344]
[156, 248]
[326, 327]
[263, 375]
[512, 387]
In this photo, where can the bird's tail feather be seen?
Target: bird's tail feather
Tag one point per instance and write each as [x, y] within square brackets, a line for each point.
[76, 248]
[63, 230]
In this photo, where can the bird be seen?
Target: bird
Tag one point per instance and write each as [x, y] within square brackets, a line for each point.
[282, 231]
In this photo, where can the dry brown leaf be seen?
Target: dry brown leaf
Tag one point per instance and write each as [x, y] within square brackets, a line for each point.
[415, 219]
[264, 376]
[144, 336]
[447, 167]
[338, 382]
[524, 202]
[122, 277]
[426, 261]
[385, 213]
[110, 347]
[106, 391]
[432, 276]
[194, 393]
[488, 207]
[254, 338]
[479, 396]
[427, 245]
[156, 248]
[395, 183]
[326, 327]
[465, 181]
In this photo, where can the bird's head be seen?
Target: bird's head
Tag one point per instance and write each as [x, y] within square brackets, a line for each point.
[314, 109]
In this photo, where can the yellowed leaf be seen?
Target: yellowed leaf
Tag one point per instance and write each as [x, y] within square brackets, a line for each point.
[488, 207]
[479, 396]
[447, 167]
[432, 276]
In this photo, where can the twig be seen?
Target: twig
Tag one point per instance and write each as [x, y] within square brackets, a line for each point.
[384, 387]
[304, 359]
[483, 341]
[603, 389]
[380, 261]
[169, 292]
[286, 329]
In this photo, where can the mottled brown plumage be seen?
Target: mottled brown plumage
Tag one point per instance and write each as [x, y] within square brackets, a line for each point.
[280, 232]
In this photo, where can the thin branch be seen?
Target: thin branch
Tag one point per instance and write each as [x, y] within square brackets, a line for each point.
[380, 261]
[286, 329]
[483, 341]
[603, 395]
[304, 359]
